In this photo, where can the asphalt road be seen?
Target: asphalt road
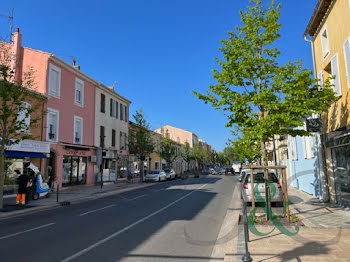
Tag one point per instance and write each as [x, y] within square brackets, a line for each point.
[170, 221]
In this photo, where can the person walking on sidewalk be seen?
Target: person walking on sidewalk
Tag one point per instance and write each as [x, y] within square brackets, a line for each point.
[22, 182]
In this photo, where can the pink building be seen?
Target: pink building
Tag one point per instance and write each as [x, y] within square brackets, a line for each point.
[70, 120]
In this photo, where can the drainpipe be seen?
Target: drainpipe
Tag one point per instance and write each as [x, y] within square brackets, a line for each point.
[323, 184]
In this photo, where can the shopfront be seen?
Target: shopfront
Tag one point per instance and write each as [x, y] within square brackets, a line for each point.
[339, 149]
[17, 154]
[72, 164]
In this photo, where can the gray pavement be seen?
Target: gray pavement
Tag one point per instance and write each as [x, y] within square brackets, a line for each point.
[170, 221]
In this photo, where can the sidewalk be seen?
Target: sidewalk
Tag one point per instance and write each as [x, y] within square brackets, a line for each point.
[68, 195]
[325, 236]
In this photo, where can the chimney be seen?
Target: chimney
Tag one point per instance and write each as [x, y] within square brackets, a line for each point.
[16, 52]
[75, 66]
[111, 87]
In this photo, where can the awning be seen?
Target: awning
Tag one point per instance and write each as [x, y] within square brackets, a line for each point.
[20, 154]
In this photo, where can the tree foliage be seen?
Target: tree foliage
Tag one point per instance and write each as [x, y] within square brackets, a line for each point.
[200, 155]
[259, 96]
[187, 155]
[168, 150]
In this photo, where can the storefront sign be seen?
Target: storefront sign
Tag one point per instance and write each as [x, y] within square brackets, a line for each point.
[76, 153]
[314, 125]
[29, 146]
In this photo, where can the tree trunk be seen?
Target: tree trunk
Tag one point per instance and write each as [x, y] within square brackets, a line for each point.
[2, 178]
[141, 170]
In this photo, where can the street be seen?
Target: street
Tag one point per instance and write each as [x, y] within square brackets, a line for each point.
[170, 221]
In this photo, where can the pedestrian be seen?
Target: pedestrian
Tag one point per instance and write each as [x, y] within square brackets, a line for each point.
[22, 182]
[31, 185]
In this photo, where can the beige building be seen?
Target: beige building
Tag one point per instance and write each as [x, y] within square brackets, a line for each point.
[178, 135]
[329, 29]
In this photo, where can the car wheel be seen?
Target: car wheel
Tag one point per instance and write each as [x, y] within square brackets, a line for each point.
[35, 196]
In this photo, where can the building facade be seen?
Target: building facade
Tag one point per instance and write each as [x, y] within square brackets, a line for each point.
[329, 29]
[70, 112]
[112, 129]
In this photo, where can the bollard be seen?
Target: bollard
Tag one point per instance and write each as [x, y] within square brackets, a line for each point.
[246, 257]
[57, 192]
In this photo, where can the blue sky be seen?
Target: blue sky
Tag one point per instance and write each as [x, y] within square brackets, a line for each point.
[156, 51]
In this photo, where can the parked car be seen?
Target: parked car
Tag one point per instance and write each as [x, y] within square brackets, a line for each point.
[170, 174]
[229, 170]
[156, 175]
[243, 172]
[260, 181]
[222, 171]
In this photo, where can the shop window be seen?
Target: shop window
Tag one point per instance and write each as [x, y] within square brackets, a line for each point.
[78, 130]
[23, 118]
[79, 92]
[74, 170]
[52, 125]
[54, 80]
[156, 165]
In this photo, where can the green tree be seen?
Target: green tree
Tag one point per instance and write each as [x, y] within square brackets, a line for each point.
[187, 155]
[168, 150]
[140, 142]
[13, 111]
[256, 93]
[200, 155]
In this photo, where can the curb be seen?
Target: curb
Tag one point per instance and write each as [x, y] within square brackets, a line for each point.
[75, 201]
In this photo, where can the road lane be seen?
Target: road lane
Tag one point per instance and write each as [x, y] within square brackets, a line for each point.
[72, 233]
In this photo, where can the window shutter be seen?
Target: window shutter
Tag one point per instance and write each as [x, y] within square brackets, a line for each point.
[309, 147]
[54, 81]
[121, 112]
[116, 109]
[111, 107]
[346, 48]
[125, 114]
[320, 77]
[293, 146]
[335, 72]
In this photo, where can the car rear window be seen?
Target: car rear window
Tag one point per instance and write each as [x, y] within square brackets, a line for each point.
[259, 178]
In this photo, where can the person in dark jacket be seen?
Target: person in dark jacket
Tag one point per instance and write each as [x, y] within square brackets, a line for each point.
[22, 182]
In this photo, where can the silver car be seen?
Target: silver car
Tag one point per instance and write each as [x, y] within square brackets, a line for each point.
[170, 174]
[156, 175]
[259, 182]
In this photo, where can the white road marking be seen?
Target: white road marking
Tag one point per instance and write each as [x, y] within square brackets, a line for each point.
[83, 251]
[26, 231]
[95, 210]
[137, 197]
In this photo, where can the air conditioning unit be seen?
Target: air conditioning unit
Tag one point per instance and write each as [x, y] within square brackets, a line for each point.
[93, 159]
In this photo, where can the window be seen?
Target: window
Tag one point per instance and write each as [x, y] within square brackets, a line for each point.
[23, 118]
[122, 141]
[325, 43]
[113, 137]
[121, 112]
[54, 80]
[156, 165]
[79, 92]
[103, 103]
[102, 136]
[346, 48]
[113, 108]
[78, 130]
[52, 125]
